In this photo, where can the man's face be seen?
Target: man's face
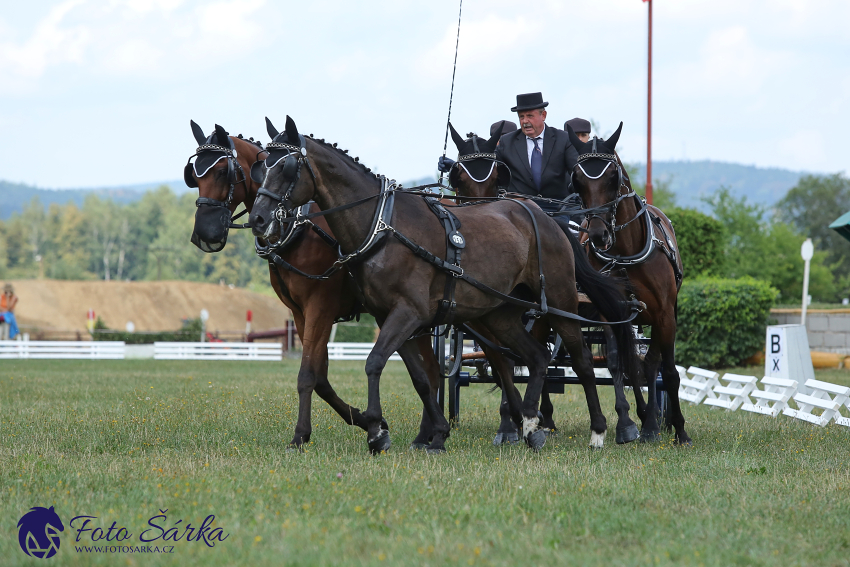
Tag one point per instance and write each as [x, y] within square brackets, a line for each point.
[531, 121]
[584, 137]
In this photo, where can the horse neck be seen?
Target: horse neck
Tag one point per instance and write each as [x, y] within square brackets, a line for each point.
[339, 181]
[245, 192]
[478, 190]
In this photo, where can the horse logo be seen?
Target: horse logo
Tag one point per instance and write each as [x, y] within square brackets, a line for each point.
[38, 532]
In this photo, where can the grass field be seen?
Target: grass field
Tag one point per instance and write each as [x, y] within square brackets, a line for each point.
[122, 440]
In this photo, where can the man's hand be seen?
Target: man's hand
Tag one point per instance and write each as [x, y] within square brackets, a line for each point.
[445, 164]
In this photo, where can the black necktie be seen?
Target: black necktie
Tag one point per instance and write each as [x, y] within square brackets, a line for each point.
[536, 164]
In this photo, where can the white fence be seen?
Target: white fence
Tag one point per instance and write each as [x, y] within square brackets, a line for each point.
[218, 351]
[353, 351]
[62, 349]
[823, 403]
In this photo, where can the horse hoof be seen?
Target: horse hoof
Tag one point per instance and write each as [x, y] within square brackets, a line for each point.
[435, 450]
[683, 441]
[536, 440]
[550, 431]
[381, 443]
[627, 434]
[597, 440]
[650, 436]
[418, 446]
[294, 449]
[512, 438]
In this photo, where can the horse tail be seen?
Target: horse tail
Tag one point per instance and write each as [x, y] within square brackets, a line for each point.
[608, 296]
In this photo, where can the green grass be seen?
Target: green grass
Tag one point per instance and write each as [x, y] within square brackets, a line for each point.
[121, 440]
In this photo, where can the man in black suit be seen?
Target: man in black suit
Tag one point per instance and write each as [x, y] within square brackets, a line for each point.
[541, 157]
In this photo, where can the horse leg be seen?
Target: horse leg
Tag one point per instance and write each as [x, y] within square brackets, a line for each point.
[626, 430]
[395, 330]
[650, 432]
[438, 425]
[671, 379]
[503, 372]
[507, 432]
[581, 357]
[540, 331]
[432, 369]
[506, 325]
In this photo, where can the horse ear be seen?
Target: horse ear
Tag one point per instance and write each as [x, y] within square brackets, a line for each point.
[456, 138]
[198, 133]
[291, 130]
[51, 508]
[271, 129]
[222, 135]
[612, 141]
[577, 144]
[494, 139]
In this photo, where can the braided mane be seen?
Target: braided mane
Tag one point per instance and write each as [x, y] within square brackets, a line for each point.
[344, 153]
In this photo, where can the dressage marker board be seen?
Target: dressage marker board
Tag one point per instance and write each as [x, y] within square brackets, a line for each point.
[787, 355]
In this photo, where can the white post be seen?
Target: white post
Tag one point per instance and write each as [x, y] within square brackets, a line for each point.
[205, 315]
[806, 251]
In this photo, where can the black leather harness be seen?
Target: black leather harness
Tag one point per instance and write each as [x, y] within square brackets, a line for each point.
[455, 243]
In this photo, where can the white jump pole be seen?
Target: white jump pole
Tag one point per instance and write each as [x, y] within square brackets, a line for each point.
[806, 251]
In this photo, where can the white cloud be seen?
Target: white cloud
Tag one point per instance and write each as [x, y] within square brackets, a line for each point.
[51, 43]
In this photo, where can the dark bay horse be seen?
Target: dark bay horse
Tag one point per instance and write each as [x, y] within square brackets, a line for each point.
[626, 235]
[220, 174]
[385, 236]
[477, 174]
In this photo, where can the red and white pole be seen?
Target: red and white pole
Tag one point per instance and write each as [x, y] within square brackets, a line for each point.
[248, 318]
[649, 111]
[90, 318]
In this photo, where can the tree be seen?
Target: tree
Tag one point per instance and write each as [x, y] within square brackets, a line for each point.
[814, 203]
[767, 250]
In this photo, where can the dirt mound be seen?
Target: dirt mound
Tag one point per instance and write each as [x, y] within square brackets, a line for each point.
[151, 306]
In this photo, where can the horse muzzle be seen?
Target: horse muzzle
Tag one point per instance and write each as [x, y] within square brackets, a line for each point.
[212, 225]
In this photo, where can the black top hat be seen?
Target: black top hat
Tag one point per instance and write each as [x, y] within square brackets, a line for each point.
[529, 101]
[580, 125]
[507, 127]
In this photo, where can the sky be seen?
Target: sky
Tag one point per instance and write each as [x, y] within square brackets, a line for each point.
[100, 93]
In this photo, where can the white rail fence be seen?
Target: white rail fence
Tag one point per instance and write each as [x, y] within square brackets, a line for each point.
[823, 402]
[62, 349]
[353, 351]
[217, 351]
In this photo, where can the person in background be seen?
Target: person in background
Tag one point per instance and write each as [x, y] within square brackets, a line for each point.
[8, 301]
[581, 127]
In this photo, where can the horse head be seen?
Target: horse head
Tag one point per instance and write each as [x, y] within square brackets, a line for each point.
[597, 178]
[285, 186]
[219, 174]
[477, 172]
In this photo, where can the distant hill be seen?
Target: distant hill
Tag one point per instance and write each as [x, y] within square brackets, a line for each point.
[689, 180]
[14, 196]
[692, 180]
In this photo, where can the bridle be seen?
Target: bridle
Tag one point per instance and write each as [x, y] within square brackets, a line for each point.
[284, 214]
[292, 163]
[607, 212]
[233, 166]
[478, 154]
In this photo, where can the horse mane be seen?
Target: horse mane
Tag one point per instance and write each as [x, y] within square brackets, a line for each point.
[257, 143]
[344, 154]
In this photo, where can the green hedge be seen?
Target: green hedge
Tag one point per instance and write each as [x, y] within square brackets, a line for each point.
[722, 322]
[191, 332]
[701, 240]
